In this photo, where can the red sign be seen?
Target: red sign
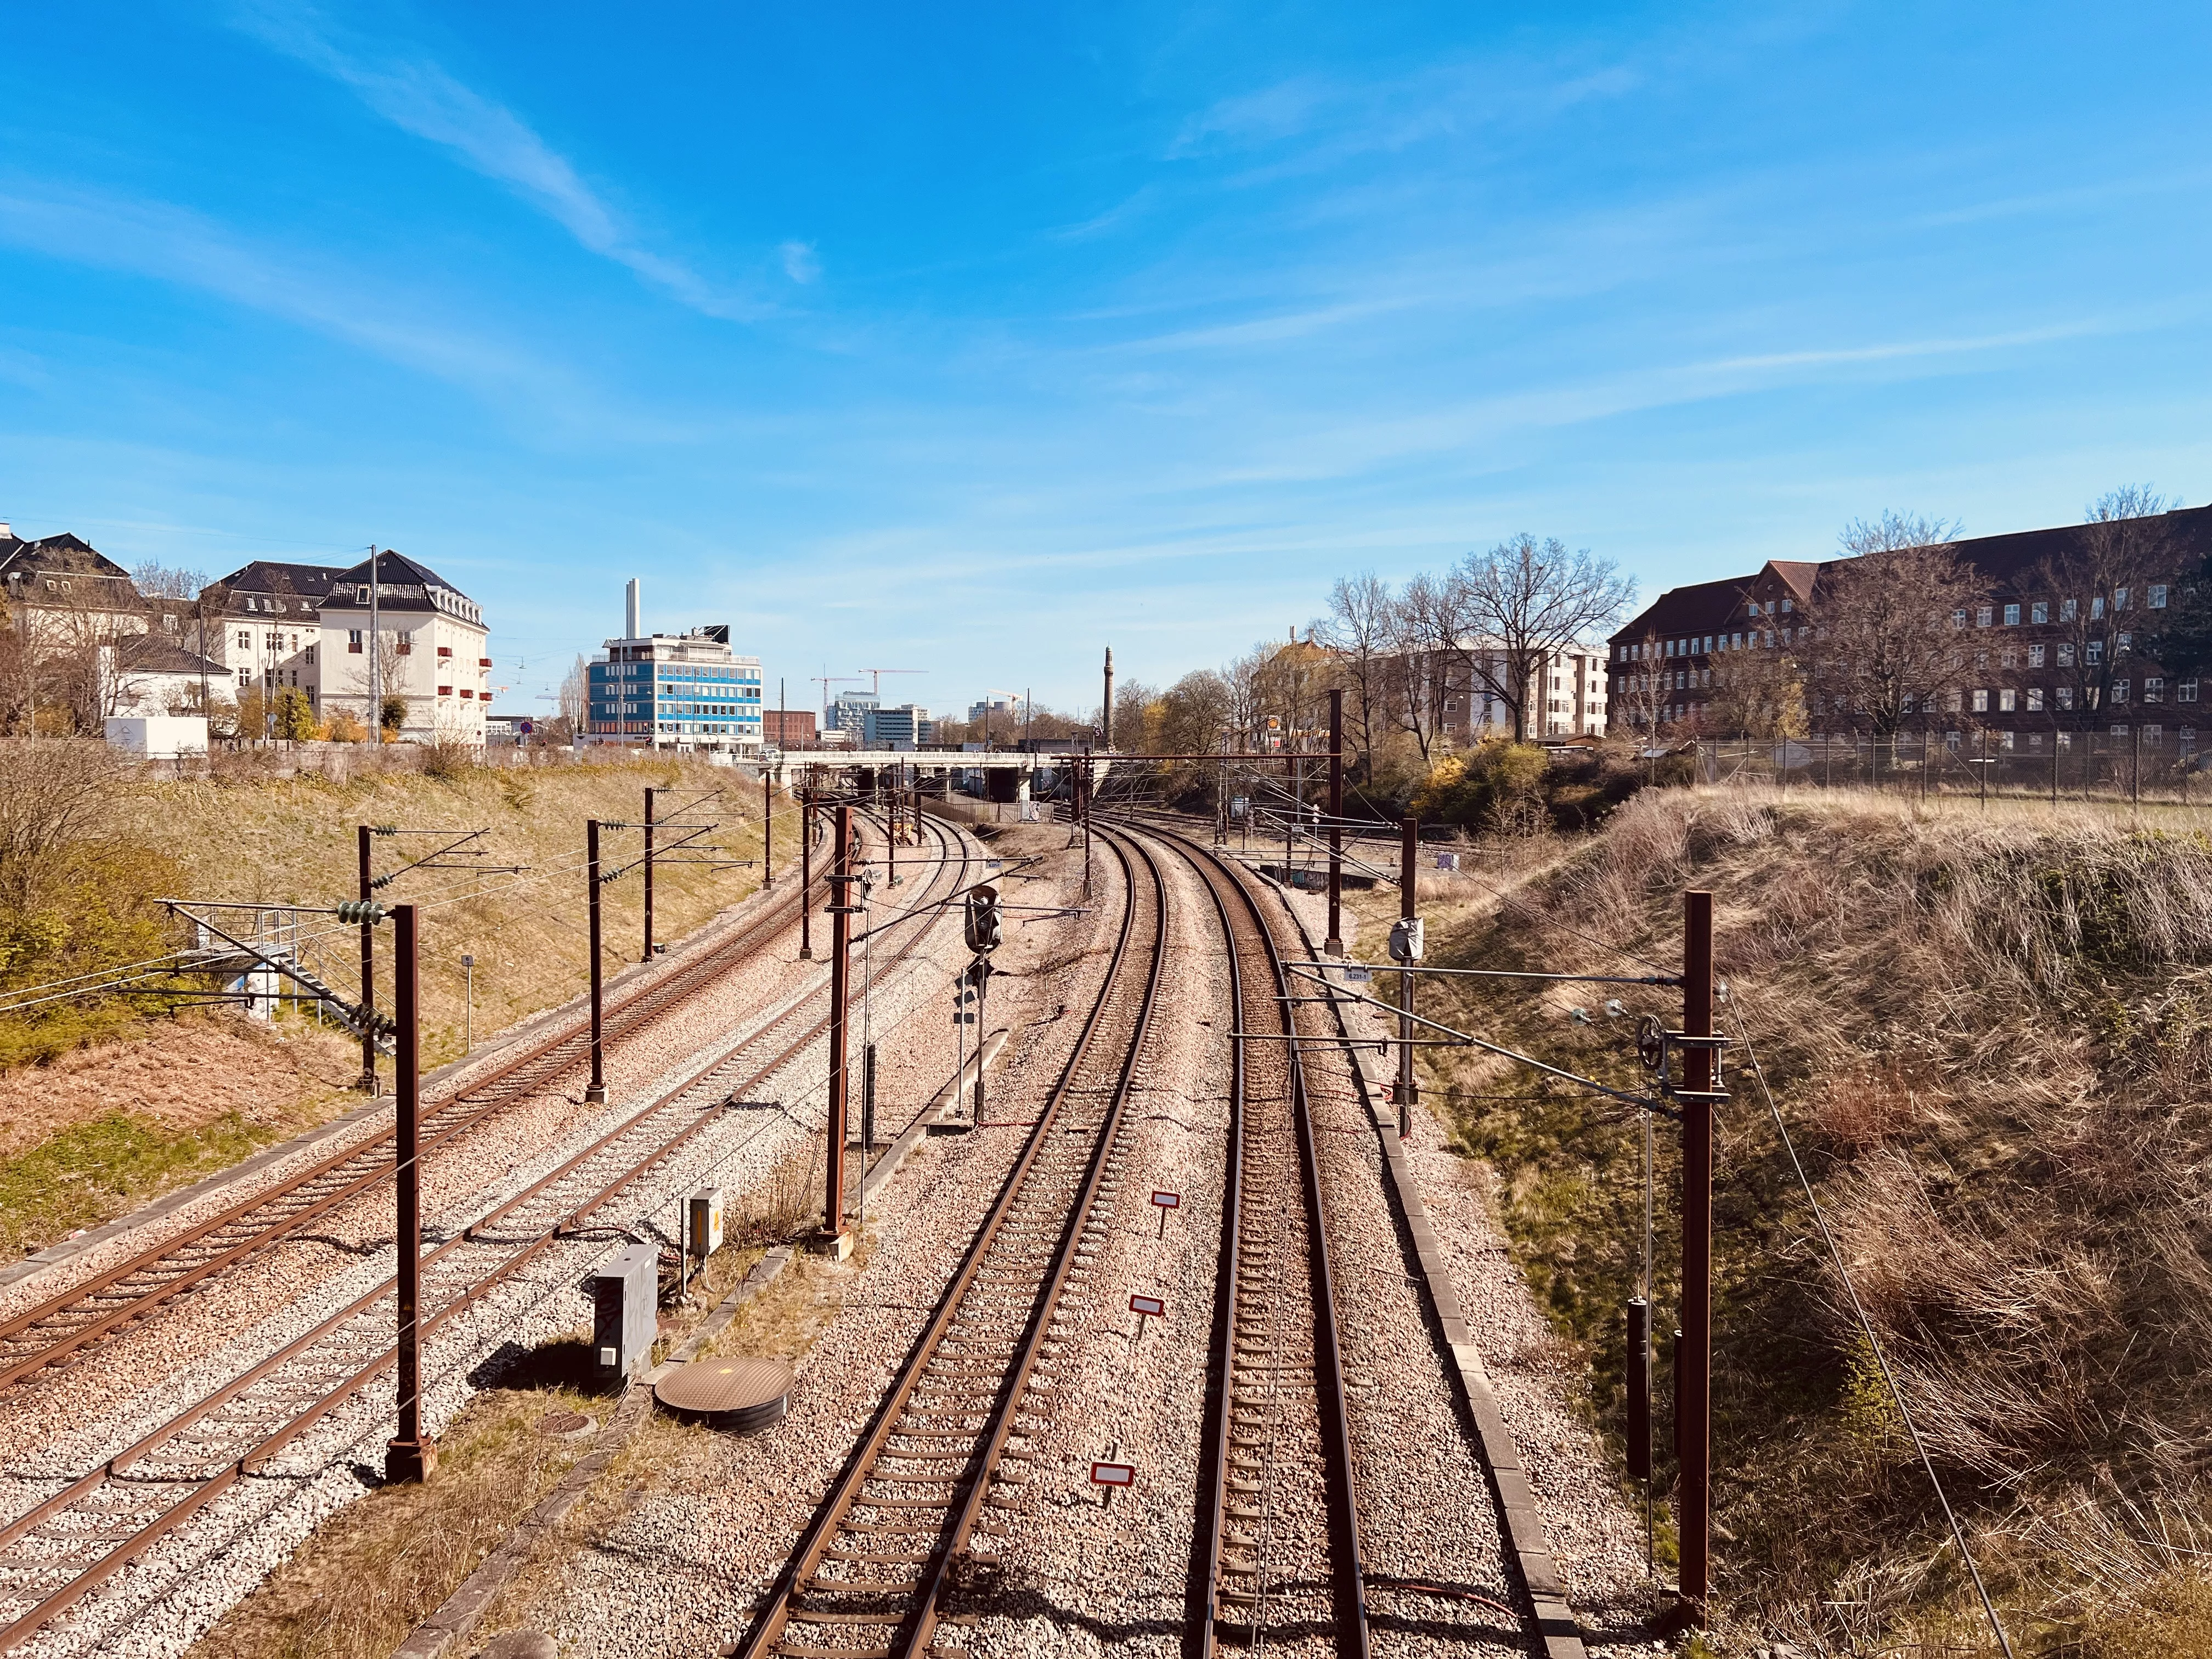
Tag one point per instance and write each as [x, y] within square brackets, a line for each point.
[1114, 1474]
[1166, 1201]
[1147, 1304]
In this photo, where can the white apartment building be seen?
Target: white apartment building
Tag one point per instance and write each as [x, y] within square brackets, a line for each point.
[428, 642]
[1566, 698]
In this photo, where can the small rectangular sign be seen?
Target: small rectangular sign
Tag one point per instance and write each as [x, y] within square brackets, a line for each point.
[1147, 1304]
[1358, 976]
[1114, 1474]
[1446, 861]
[1166, 1201]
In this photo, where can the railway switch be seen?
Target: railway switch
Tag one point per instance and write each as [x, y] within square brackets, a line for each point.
[624, 1312]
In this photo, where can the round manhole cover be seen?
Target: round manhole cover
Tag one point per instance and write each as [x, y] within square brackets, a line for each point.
[736, 1392]
[563, 1422]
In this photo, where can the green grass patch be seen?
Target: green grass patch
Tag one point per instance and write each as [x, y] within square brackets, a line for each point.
[91, 1172]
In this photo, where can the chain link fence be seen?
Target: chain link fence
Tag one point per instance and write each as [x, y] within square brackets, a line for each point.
[2144, 763]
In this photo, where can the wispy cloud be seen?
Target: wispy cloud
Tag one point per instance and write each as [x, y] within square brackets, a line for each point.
[1314, 121]
[801, 261]
[174, 245]
[1126, 211]
[419, 96]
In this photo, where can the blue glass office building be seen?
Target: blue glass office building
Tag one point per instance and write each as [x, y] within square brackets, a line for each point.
[681, 691]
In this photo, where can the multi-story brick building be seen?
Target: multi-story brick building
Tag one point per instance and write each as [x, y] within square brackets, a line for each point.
[2018, 675]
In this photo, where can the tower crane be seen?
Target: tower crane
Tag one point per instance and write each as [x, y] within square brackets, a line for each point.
[877, 689]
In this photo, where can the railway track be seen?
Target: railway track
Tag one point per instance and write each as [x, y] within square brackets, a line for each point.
[55, 1334]
[869, 1577]
[1278, 1533]
[81, 1535]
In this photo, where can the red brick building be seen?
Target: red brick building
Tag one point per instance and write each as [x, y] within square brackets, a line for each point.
[2016, 640]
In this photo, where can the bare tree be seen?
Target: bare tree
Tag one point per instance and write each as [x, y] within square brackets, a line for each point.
[1291, 686]
[2100, 584]
[1362, 627]
[159, 581]
[53, 796]
[1639, 699]
[1414, 701]
[1243, 678]
[1887, 622]
[576, 695]
[1501, 615]
[1759, 692]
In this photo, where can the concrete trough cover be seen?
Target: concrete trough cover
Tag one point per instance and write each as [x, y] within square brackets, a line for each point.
[736, 1391]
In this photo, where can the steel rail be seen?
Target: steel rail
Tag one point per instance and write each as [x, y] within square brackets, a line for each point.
[1348, 1571]
[628, 1016]
[520, 1252]
[910, 1627]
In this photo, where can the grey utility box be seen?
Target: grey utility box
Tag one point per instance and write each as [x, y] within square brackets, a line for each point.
[625, 1310]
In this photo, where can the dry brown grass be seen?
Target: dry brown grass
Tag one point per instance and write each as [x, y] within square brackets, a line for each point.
[1992, 1035]
[244, 834]
[375, 1570]
[291, 839]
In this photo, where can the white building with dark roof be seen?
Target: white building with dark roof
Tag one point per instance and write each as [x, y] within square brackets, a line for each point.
[427, 640]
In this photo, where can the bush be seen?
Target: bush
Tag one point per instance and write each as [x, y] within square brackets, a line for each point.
[1497, 785]
[296, 716]
[75, 895]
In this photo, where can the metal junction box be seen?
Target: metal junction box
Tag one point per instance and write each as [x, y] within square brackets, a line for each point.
[702, 1222]
[625, 1310]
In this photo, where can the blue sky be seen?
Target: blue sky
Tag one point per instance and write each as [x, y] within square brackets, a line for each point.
[970, 339]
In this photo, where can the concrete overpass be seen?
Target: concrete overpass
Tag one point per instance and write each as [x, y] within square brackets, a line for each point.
[1014, 768]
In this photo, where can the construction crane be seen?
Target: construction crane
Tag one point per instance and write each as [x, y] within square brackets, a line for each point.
[825, 681]
[877, 689]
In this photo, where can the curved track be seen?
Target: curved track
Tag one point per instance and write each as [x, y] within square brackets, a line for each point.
[1278, 1534]
[56, 1332]
[79, 1537]
[869, 1577]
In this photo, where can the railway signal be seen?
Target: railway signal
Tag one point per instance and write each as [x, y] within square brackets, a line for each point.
[985, 925]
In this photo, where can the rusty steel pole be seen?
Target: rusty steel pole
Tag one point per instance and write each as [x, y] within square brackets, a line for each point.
[1693, 1378]
[409, 1456]
[367, 1083]
[648, 876]
[768, 826]
[806, 873]
[595, 1093]
[1409, 841]
[841, 950]
[1336, 821]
